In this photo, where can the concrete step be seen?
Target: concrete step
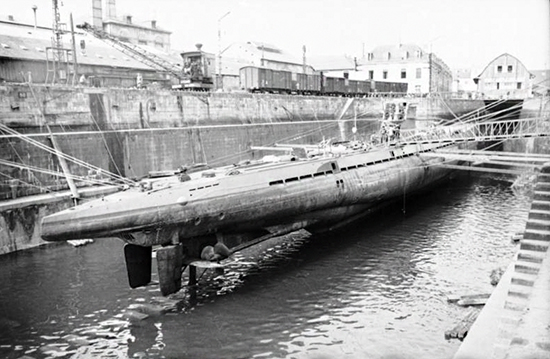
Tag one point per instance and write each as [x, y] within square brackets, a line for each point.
[543, 186]
[533, 245]
[520, 279]
[528, 268]
[515, 304]
[541, 195]
[537, 234]
[531, 256]
[539, 214]
[540, 224]
[541, 205]
[519, 293]
[508, 318]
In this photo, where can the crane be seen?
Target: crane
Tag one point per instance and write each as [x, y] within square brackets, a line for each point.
[135, 51]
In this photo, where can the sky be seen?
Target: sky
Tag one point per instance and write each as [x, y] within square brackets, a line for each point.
[464, 33]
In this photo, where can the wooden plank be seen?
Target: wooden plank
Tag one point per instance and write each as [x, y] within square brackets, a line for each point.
[466, 298]
[473, 300]
[205, 264]
[460, 330]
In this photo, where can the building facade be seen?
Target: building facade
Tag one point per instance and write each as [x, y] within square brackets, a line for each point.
[424, 72]
[124, 28]
[505, 77]
[137, 34]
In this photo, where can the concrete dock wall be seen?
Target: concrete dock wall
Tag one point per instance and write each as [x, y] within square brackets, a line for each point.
[20, 218]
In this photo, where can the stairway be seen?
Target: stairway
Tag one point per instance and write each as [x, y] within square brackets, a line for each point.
[533, 251]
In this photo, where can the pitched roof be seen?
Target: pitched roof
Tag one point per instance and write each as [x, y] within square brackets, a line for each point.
[256, 50]
[19, 41]
[332, 63]
[499, 56]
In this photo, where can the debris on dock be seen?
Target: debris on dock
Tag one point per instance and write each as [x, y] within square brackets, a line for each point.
[495, 275]
[460, 330]
[516, 237]
[80, 242]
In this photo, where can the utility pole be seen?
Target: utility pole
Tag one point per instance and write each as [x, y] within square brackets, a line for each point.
[304, 63]
[75, 61]
[220, 80]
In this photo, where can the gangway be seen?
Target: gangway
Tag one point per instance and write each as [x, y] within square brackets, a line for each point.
[479, 131]
[134, 51]
[488, 131]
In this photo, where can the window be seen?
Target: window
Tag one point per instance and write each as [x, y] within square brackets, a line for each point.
[499, 68]
[418, 89]
[385, 74]
[519, 85]
[403, 74]
[389, 55]
[418, 73]
[498, 85]
[510, 68]
[371, 74]
[370, 56]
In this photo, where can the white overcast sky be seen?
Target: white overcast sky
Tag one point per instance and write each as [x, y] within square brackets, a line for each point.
[464, 33]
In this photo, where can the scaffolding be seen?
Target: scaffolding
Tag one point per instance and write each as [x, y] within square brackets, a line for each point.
[60, 61]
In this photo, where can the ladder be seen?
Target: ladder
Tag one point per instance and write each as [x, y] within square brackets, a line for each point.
[135, 52]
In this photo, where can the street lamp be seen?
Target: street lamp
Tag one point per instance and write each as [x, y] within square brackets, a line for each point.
[34, 7]
[220, 80]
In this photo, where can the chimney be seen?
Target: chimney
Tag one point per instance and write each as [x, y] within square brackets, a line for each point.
[10, 18]
[128, 19]
[111, 9]
[97, 14]
[153, 24]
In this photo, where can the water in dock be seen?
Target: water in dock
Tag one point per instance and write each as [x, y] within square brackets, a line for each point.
[376, 290]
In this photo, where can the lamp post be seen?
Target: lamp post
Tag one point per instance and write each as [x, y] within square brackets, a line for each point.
[34, 7]
[220, 80]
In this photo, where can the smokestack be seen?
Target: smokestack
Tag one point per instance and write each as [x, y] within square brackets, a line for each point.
[111, 9]
[97, 14]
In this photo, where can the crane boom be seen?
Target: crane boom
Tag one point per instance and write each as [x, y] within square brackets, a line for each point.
[134, 51]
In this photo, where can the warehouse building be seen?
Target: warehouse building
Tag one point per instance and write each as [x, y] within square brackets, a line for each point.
[27, 54]
[505, 77]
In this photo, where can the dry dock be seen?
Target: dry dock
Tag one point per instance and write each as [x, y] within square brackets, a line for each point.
[515, 322]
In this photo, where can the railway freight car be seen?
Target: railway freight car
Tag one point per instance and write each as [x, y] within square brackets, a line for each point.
[259, 79]
[307, 84]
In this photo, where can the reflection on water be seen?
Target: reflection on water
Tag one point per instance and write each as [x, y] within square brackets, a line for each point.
[375, 290]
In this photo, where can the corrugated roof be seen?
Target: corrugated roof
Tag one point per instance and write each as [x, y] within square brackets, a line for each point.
[25, 42]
